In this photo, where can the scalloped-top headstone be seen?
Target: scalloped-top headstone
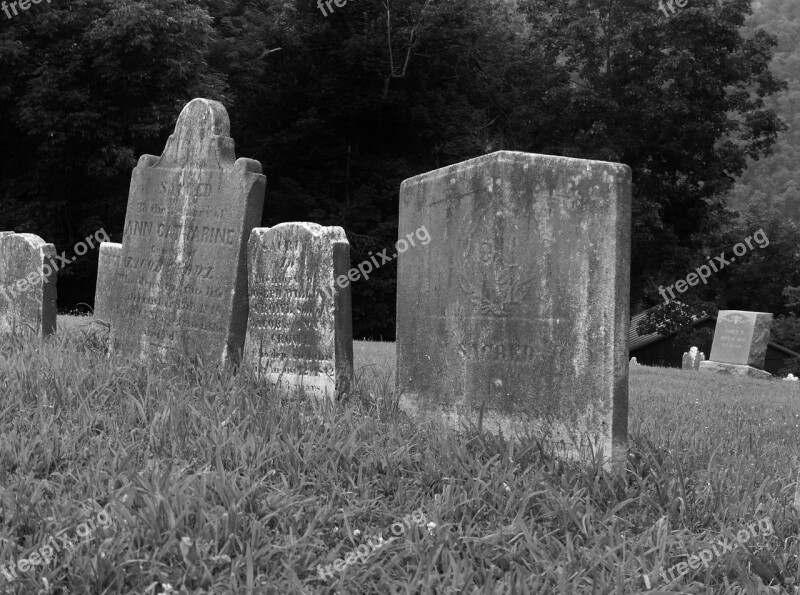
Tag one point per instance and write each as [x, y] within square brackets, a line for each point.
[299, 334]
[27, 284]
[515, 315]
[181, 282]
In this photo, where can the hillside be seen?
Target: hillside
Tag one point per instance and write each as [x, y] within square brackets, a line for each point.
[776, 179]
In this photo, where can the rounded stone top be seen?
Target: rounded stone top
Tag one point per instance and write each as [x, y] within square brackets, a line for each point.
[201, 135]
[333, 233]
[206, 116]
[29, 241]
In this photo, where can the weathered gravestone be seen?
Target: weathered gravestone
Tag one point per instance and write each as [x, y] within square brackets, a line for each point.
[516, 313]
[27, 284]
[692, 359]
[106, 291]
[182, 275]
[740, 343]
[299, 332]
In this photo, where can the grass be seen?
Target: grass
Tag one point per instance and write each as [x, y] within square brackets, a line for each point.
[216, 484]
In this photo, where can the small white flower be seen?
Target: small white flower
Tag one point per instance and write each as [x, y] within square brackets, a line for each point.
[356, 532]
[505, 487]
[431, 527]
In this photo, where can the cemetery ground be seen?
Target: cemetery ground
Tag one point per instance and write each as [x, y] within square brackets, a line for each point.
[215, 484]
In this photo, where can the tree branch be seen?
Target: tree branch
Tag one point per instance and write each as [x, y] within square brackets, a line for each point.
[413, 42]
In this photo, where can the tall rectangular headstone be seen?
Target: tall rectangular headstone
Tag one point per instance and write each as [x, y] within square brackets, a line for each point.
[517, 311]
[182, 276]
[299, 332]
[28, 278]
[741, 337]
[106, 291]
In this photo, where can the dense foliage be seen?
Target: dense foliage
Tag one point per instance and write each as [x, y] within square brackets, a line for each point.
[776, 179]
[340, 109]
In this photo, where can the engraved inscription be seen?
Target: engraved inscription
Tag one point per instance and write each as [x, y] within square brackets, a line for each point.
[181, 273]
[287, 314]
[192, 233]
[290, 330]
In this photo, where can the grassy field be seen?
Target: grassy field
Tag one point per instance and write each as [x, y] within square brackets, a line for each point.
[193, 480]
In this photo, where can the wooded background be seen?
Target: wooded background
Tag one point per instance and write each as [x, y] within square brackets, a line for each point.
[340, 109]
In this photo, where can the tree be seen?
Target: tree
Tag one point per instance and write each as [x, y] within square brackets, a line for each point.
[340, 109]
[87, 88]
[679, 99]
[793, 293]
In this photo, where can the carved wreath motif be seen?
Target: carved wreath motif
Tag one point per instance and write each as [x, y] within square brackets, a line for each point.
[489, 275]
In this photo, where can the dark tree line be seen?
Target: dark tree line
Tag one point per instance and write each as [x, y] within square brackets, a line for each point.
[340, 109]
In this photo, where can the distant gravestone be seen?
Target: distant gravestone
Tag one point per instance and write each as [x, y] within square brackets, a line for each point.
[27, 284]
[106, 290]
[182, 275]
[299, 332]
[516, 313]
[740, 343]
[741, 338]
[692, 359]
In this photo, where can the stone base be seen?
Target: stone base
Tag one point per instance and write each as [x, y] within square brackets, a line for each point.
[578, 440]
[734, 369]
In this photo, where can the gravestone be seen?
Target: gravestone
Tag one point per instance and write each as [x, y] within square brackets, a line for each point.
[796, 465]
[106, 291]
[740, 343]
[299, 332]
[516, 312]
[182, 275]
[692, 359]
[741, 337]
[28, 278]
